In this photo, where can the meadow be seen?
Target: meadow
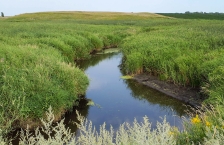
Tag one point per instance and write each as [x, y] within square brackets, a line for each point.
[38, 50]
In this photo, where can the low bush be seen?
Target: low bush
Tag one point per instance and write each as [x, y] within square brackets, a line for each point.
[203, 128]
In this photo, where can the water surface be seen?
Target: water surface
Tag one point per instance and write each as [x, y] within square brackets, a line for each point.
[119, 100]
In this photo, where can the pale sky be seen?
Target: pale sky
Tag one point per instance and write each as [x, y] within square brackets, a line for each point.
[15, 7]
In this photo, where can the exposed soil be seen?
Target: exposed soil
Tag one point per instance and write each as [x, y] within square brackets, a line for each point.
[188, 95]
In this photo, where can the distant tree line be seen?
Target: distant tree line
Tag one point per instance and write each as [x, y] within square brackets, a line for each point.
[188, 12]
[196, 15]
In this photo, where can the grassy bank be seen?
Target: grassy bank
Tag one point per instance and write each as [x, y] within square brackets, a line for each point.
[33, 78]
[189, 54]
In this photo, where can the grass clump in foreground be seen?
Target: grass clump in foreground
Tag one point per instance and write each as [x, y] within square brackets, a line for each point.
[138, 134]
[204, 128]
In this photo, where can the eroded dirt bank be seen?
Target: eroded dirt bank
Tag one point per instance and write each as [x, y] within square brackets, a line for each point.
[188, 95]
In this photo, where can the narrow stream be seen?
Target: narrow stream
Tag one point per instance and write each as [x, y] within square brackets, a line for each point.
[119, 100]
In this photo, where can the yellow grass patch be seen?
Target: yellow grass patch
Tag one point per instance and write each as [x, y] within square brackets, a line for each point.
[127, 77]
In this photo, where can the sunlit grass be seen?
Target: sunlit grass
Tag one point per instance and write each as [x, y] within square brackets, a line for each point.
[84, 15]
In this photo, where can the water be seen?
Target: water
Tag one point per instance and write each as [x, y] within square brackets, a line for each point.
[119, 100]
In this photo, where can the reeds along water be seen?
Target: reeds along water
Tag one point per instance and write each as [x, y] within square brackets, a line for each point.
[185, 54]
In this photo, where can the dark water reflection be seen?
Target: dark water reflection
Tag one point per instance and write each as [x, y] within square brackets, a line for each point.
[123, 100]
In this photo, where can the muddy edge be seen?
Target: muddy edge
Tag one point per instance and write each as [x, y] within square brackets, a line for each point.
[190, 96]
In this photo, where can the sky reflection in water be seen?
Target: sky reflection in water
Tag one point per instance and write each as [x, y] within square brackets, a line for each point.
[123, 100]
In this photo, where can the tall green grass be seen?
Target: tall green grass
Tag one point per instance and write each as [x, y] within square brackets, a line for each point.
[189, 54]
[34, 78]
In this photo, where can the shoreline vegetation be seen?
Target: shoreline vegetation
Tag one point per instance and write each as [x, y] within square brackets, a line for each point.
[38, 50]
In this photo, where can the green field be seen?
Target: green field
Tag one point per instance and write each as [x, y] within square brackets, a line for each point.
[37, 53]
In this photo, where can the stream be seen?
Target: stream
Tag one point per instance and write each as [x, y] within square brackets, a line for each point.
[118, 101]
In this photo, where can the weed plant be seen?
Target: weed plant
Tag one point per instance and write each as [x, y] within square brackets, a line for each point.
[136, 134]
[203, 128]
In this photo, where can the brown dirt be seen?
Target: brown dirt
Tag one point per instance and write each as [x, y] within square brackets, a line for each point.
[188, 95]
